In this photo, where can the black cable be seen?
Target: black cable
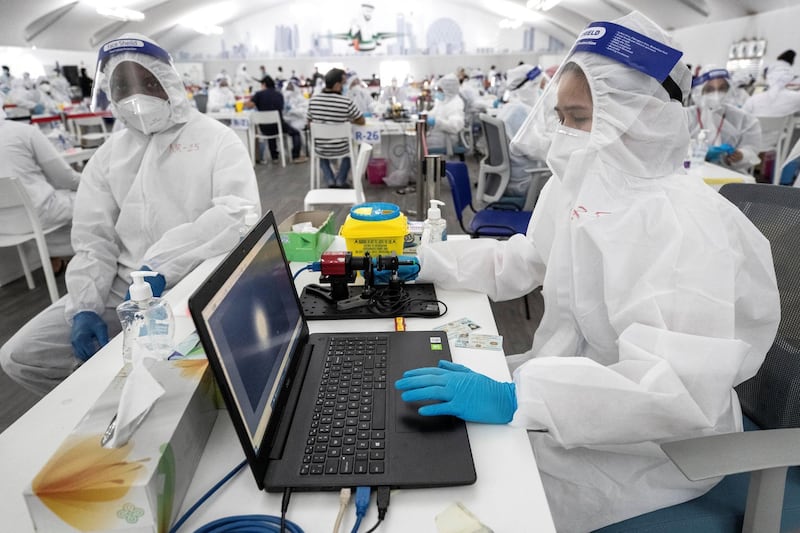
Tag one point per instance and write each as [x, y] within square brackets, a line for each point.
[287, 495]
[383, 506]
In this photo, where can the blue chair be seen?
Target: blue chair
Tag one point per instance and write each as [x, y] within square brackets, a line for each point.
[761, 490]
[497, 220]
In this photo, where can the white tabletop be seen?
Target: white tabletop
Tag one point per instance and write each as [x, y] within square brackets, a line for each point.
[508, 491]
[77, 155]
[717, 176]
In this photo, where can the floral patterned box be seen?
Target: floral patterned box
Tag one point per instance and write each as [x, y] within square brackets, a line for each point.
[141, 485]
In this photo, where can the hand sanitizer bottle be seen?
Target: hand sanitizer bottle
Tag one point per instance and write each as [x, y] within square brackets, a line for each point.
[699, 149]
[147, 322]
[434, 229]
[250, 219]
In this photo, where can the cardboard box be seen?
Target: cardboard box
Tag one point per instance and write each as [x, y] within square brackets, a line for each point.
[141, 485]
[307, 246]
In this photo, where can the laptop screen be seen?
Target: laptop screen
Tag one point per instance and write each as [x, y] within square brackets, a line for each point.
[255, 324]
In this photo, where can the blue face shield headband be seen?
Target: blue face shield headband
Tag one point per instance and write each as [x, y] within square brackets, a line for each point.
[634, 50]
[532, 74]
[118, 46]
[710, 75]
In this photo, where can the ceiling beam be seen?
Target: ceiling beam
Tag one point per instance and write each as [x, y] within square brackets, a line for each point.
[694, 6]
[45, 21]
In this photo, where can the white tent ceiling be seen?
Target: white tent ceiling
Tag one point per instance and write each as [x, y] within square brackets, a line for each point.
[75, 25]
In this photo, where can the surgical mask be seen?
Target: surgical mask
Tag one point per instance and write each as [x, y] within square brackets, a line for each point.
[438, 96]
[713, 100]
[345, 90]
[148, 114]
[565, 142]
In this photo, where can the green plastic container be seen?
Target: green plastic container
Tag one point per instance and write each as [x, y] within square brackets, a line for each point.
[307, 246]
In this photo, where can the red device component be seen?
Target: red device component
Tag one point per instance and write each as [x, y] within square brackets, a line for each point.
[334, 263]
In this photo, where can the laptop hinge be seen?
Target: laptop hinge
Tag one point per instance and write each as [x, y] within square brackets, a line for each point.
[282, 432]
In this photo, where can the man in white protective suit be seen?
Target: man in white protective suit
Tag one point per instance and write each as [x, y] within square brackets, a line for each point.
[660, 295]
[164, 193]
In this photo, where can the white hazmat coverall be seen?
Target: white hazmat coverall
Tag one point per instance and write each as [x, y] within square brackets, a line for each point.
[167, 200]
[448, 114]
[660, 297]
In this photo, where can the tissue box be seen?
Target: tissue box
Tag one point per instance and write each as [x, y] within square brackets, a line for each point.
[307, 246]
[141, 485]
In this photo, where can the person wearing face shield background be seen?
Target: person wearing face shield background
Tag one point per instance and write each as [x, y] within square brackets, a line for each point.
[164, 193]
[446, 119]
[660, 295]
[733, 134]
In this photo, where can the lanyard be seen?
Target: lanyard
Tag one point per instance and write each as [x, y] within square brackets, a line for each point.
[719, 128]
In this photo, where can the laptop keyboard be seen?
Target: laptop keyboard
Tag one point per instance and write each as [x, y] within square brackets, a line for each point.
[348, 428]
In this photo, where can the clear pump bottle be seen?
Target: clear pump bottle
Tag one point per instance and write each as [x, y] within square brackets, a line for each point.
[699, 149]
[147, 322]
[434, 229]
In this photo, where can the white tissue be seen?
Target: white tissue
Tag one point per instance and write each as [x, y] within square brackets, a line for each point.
[304, 227]
[140, 392]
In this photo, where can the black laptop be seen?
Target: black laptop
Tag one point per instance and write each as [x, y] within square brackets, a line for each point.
[318, 412]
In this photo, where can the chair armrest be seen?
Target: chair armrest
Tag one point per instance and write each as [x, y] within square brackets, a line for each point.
[733, 453]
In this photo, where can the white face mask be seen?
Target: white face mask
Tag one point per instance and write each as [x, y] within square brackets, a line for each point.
[565, 142]
[148, 114]
[713, 100]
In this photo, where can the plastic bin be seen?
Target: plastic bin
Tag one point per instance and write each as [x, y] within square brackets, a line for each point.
[375, 227]
[307, 246]
[376, 170]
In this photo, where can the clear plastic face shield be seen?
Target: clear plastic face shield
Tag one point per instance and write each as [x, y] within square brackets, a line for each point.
[531, 78]
[136, 94]
[710, 90]
[608, 99]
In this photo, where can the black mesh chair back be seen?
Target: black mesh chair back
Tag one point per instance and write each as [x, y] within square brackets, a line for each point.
[202, 102]
[495, 142]
[772, 397]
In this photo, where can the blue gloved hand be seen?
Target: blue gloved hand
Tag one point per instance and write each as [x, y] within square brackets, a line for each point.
[716, 152]
[157, 283]
[367, 114]
[404, 272]
[462, 393]
[496, 103]
[89, 334]
[38, 109]
[431, 122]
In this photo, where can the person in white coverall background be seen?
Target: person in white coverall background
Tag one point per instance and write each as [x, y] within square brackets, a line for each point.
[660, 295]
[446, 119]
[165, 193]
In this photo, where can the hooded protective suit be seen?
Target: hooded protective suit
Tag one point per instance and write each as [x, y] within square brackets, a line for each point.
[295, 108]
[660, 297]
[448, 115]
[725, 123]
[522, 95]
[777, 100]
[168, 199]
[358, 92]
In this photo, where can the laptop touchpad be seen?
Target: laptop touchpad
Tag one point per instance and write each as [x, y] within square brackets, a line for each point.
[409, 420]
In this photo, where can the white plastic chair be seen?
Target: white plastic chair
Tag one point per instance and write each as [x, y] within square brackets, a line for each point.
[14, 195]
[269, 117]
[352, 196]
[92, 138]
[328, 131]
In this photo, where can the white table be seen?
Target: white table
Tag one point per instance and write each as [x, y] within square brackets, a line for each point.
[397, 142]
[77, 155]
[507, 495]
[717, 176]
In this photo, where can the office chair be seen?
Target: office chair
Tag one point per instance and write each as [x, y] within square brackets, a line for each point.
[761, 490]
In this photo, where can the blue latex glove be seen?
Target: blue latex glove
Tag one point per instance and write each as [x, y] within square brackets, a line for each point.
[496, 103]
[431, 122]
[715, 153]
[462, 393]
[157, 283]
[38, 109]
[367, 114]
[404, 272]
[89, 334]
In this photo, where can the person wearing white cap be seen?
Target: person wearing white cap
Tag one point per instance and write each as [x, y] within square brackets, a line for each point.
[777, 100]
[660, 295]
[446, 119]
[358, 93]
[164, 193]
[734, 135]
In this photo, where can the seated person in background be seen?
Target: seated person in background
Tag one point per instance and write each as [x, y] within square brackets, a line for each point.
[734, 135]
[25, 153]
[165, 193]
[776, 101]
[357, 91]
[270, 99]
[295, 106]
[332, 106]
[524, 88]
[446, 119]
[660, 296]
[220, 96]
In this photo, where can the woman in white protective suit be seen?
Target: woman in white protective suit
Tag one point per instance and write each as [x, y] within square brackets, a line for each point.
[359, 94]
[734, 135]
[660, 296]
[525, 85]
[164, 193]
[446, 119]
